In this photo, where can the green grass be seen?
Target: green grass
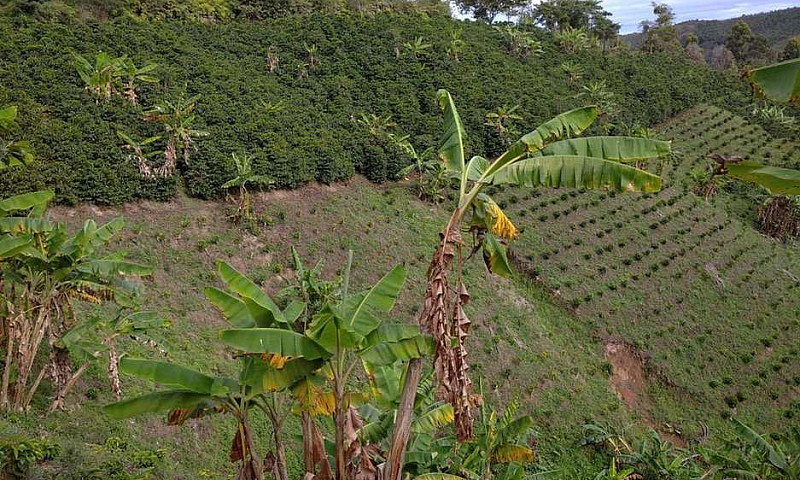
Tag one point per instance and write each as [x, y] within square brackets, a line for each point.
[643, 281]
[525, 347]
[641, 268]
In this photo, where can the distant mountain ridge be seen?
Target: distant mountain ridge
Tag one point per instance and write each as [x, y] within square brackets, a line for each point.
[777, 26]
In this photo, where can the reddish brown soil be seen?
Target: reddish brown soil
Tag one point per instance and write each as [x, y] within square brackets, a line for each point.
[630, 382]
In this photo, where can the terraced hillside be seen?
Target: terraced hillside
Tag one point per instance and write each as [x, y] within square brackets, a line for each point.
[710, 304]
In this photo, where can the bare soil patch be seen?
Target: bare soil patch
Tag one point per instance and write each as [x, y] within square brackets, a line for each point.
[629, 380]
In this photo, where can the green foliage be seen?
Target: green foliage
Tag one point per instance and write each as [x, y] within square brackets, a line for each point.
[661, 35]
[779, 82]
[18, 455]
[747, 48]
[83, 159]
[13, 153]
[45, 271]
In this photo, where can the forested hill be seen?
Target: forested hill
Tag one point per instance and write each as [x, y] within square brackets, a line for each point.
[777, 26]
[302, 95]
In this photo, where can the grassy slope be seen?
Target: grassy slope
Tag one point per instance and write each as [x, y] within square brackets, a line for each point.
[642, 270]
[528, 349]
[550, 359]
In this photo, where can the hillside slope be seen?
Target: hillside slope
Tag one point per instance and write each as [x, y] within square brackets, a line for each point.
[300, 122]
[692, 286]
[632, 346]
[526, 349]
[777, 26]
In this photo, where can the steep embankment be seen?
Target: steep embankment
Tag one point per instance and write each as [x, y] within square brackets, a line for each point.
[298, 118]
[523, 347]
[710, 305]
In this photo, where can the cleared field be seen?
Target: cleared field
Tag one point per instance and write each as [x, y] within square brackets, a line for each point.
[710, 304]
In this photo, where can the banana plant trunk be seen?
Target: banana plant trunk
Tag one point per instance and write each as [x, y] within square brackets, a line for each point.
[439, 315]
[308, 444]
[402, 423]
[341, 470]
[280, 455]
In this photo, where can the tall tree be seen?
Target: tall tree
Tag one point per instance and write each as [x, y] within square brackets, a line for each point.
[722, 59]
[489, 9]
[694, 50]
[606, 31]
[792, 49]
[661, 35]
[747, 47]
[556, 15]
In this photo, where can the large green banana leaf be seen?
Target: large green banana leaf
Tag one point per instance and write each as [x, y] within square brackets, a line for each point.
[475, 168]
[568, 123]
[438, 476]
[576, 172]
[779, 82]
[262, 308]
[775, 456]
[112, 267]
[260, 376]
[779, 181]
[11, 245]
[16, 154]
[494, 256]
[392, 332]
[516, 428]
[385, 381]
[620, 149]
[451, 148]
[362, 313]
[169, 375]
[158, 402]
[35, 201]
[286, 343]
[435, 418]
[331, 331]
[403, 350]
[233, 309]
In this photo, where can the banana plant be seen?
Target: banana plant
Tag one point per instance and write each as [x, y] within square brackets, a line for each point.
[545, 157]
[611, 473]
[137, 154]
[101, 78]
[431, 175]
[245, 175]
[13, 153]
[418, 48]
[658, 458]
[97, 335]
[498, 450]
[430, 415]
[779, 82]
[261, 381]
[753, 456]
[44, 271]
[246, 307]
[775, 180]
[503, 120]
[343, 334]
[131, 74]
[178, 117]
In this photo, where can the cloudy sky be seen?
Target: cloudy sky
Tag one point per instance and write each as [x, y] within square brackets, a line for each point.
[630, 12]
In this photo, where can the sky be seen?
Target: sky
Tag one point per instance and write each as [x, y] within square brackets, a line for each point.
[629, 13]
